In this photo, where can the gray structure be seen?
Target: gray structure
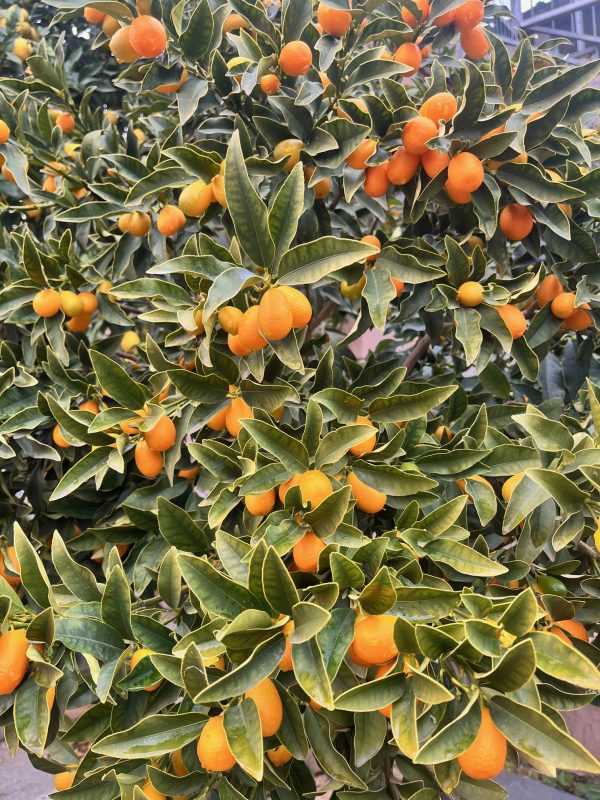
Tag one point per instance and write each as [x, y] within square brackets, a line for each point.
[575, 21]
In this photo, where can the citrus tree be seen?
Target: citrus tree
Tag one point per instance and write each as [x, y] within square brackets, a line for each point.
[298, 422]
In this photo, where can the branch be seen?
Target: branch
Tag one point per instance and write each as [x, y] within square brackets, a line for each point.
[420, 349]
[323, 314]
[588, 551]
[417, 353]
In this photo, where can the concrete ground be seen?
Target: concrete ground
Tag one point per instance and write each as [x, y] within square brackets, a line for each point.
[19, 781]
[525, 789]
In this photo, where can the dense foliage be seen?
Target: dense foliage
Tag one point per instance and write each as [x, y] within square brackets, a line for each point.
[239, 558]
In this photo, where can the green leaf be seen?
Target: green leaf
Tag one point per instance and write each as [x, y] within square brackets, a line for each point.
[17, 163]
[394, 481]
[217, 593]
[521, 614]
[484, 635]
[345, 572]
[178, 528]
[379, 291]
[32, 261]
[423, 604]
[244, 736]
[33, 575]
[330, 759]
[338, 442]
[266, 396]
[279, 588]
[256, 15]
[562, 661]
[372, 695]
[513, 670]
[335, 638]
[473, 100]
[109, 418]
[440, 519]
[288, 450]
[531, 180]
[259, 665]
[310, 672]
[117, 383]
[6, 591]
[407, 267]
[87, 212]
[193, 671]
[527, 496]
[309, 263]
[538, 737]
[468, 332]
[507, 459]
[428, 690]
[205, 389]
[285, 212]
[32, 716]
[379, 595]
[296, 16]
[486, 201]
[370, 731]
[343, 405]
[309, 620]
[227, 285]
[87, 635]
[568, 495]
[248, 212]
[116, 603]
[291, 733]
[168, 584]
[547, 434]
[454, 738]
[168, 176]
[153, 736]
[457, 262]
[328, 515]
[84, 469]
[404, 722]
[78, 579]
[462, 558]
[408, 406]
[196, 38]
[557, 86]
[41, 629]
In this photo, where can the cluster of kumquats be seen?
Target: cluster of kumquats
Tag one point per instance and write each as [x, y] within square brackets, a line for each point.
[373, 647]
[193, 201]
[295, 58]
[280, 310]
[465, 173]
[563, 304]
[54, 175]
[16, 19]
[271, 314]
[144, 37]
[154, 436]
[78, 307]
